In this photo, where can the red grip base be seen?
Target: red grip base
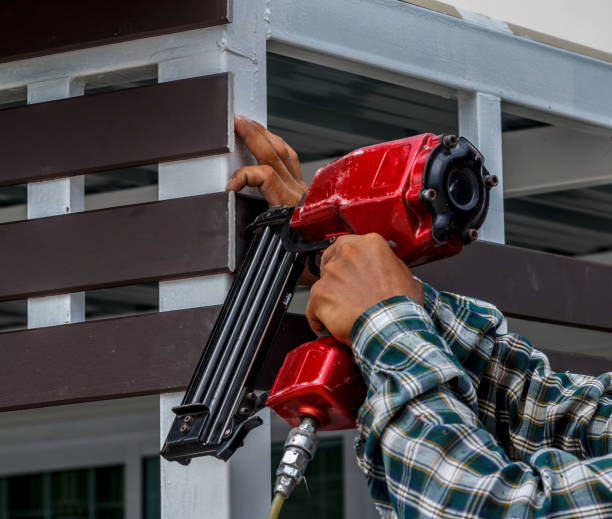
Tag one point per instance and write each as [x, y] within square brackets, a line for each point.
[321, 380]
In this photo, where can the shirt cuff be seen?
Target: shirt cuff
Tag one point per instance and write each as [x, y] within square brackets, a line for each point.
[382, 323]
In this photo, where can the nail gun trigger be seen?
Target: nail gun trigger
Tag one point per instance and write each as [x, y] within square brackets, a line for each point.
[301, 246]
[313, 266]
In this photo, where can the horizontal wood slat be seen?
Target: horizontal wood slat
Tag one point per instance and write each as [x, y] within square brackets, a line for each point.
[101, 359]
[109, 247]
[528, 284]
[142, 125]
[146, 354]
[594, 365]
[114, 358]
[36, 28]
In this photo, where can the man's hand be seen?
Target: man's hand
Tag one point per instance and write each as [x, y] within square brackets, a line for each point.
[356, 273]
[277, 175]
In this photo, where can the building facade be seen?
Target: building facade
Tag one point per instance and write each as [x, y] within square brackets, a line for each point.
[119, 242]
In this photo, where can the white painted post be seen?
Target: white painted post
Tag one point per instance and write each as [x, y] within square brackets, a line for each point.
[50, 198]
[209, 487]
[480, 123]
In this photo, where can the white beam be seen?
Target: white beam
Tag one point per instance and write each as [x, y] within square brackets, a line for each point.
[107, 58]
[55, 197]
[480, 123]
[544, 159]
[210, 487]
[397, 41]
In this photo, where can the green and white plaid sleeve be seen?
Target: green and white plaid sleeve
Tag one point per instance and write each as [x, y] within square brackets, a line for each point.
[455, 425]
[520, 400]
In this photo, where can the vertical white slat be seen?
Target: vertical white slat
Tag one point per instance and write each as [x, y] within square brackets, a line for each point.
[480, 123]
[193, 292]
[209, 487]
[50, 198]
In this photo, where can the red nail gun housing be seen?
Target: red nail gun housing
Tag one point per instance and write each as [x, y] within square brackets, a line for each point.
[318, 379]
[427, 195]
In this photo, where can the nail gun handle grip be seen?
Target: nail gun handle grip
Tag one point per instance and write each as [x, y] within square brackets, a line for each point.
[318, 379]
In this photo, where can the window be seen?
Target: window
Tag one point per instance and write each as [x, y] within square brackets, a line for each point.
[151, 497]
[72, 494]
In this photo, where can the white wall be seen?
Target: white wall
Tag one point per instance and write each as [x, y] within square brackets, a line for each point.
[586, 22]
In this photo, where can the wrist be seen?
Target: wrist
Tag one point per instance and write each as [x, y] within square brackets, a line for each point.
[385, 321]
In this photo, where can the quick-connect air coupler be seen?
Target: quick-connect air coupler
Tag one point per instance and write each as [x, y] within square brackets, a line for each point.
[300, 447]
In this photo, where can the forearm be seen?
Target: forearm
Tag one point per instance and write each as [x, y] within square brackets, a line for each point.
[423, 449]
[438, 461]
[521, 401]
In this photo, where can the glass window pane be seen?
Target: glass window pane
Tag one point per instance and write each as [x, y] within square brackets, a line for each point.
[151, 490]
[25, 497]
[70, 494]
[109, 492]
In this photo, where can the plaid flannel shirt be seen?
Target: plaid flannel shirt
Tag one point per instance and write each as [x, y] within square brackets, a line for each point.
[462, 421]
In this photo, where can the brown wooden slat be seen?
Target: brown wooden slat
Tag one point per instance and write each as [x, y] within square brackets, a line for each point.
[147, 354]
[37, 28]
[101, 359]
[593, 365]
[115, 358]
[124, 245]
[142, 125]
[528, 284]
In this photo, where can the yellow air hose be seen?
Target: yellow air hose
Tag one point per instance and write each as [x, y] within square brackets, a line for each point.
[277, 503]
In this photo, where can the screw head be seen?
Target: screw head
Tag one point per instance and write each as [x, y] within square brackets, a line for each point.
[491, 181]
[450, 141]
[187, 419]
[184, 428]
[244, 411]
[429, 195]
[472, 234]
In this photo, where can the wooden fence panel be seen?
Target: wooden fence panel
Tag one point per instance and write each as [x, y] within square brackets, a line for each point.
[112, 358]
[146, 354]
[124, 245]
[37, 28]
[142, 125]
[528, 284]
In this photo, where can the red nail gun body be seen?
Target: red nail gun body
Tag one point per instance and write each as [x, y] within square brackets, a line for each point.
[427, 195]
[378, 189]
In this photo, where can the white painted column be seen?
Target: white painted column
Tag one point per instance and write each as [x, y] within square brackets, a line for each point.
[480, 123]
[50, 198]
[209, 487]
